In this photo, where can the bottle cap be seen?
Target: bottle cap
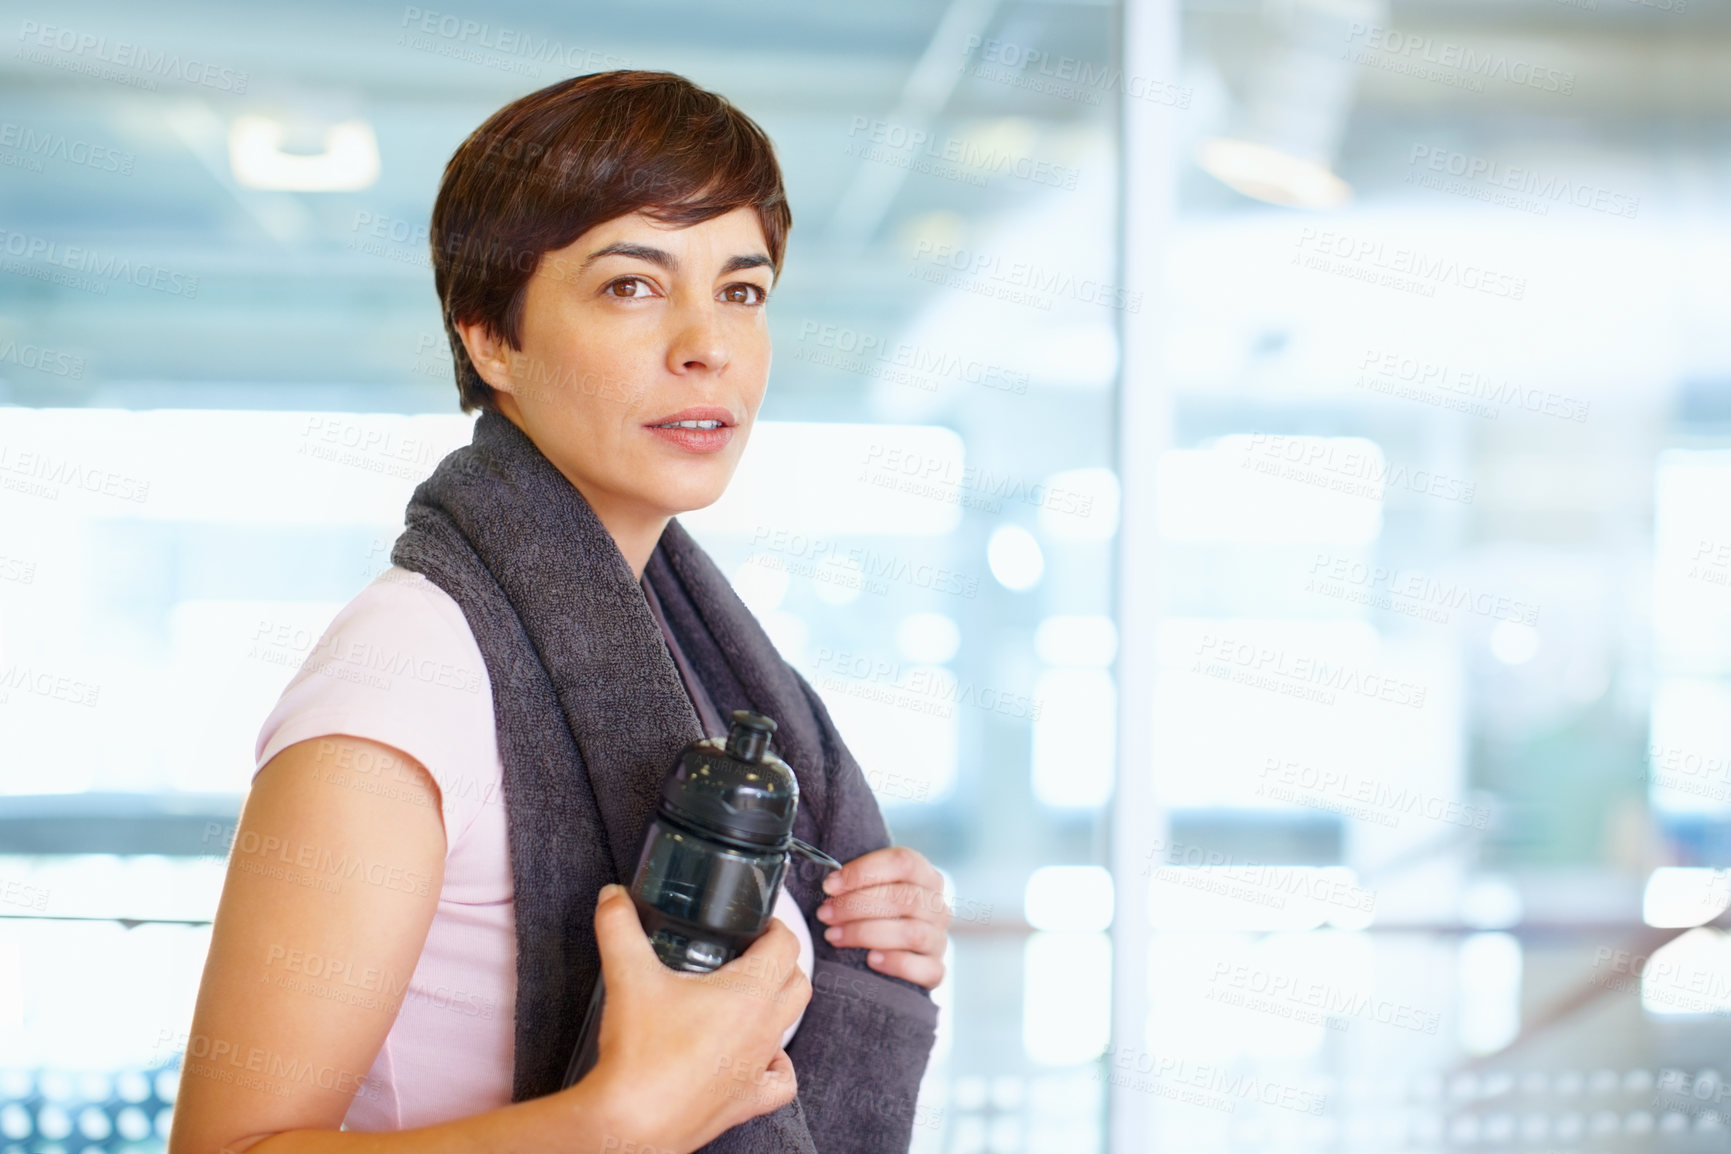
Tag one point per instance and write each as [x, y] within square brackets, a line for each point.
[748, 740]
[742, 793]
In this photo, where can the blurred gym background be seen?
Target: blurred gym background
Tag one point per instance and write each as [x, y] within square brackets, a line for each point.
[1252, 479]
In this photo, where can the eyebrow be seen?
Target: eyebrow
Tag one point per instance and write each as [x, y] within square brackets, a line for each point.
[661, 258]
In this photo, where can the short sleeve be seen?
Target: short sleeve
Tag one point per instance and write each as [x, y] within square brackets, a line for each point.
[400, 666]
[787, 912]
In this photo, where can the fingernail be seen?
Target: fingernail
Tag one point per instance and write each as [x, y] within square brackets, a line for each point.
[825, 912]
[832, 883]
[832, 933]
[875, 958]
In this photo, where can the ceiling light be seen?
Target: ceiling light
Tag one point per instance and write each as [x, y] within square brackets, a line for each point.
[1267, 173]
[350, 159]
[1284, 133]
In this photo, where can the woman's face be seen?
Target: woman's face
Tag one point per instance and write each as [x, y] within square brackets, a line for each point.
[632, 328]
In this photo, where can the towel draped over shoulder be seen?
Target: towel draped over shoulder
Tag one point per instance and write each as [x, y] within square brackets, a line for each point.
[591, 712]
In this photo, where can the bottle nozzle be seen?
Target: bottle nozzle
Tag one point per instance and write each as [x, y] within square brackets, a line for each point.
[749, 737]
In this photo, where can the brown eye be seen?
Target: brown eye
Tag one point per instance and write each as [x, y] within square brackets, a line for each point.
[625, 288]
[743, 294]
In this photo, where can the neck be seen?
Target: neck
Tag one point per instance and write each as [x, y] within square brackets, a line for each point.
[635, 530]
[636, 536]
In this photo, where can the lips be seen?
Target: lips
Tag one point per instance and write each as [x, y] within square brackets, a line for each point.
[697, 417]
[700, 429]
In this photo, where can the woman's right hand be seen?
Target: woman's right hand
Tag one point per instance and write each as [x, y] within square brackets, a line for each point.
[697, 1053]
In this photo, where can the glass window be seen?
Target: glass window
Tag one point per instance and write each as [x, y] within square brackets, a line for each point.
[222, 372]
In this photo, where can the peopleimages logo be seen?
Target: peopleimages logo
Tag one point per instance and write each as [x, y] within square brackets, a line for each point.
[92, 51]
[266, 1071]
[47, 145]
[1218, 872]
[1410, 51]
[856, 566]
[461, 32]
[42, 683]
[953, 157]
[41, 474]
[1324, 997]
[1420, 589]
[1300, 675]
[106, 267]
[1522, 179]
[1069, 77]
[943, 478]
[1460, 388]
[922, 365]
[1200, 1084]
[1368, 799]
[1040, 281]
[1364, 258]
[42, 359]
[1350, 471]
[923, 689]
[17, 893]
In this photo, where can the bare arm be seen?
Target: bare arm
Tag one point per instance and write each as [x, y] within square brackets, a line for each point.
[352, 876]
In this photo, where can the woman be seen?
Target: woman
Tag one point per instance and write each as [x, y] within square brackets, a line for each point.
[415, 908]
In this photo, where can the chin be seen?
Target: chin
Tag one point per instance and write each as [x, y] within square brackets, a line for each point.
[698, 488]
[690, 497]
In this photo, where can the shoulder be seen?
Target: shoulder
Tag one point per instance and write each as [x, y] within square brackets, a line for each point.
[403, 594]
[399, 665]
[397, 626]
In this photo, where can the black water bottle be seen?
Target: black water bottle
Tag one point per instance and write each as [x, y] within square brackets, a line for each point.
[713, 858]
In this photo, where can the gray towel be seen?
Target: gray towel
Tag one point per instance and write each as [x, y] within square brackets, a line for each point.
[709, 718]
[591, 713]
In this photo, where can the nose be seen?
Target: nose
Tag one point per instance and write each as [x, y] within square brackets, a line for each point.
[697, 344]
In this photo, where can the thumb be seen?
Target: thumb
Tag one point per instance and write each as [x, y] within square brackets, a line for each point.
[780, 1083]
[625, 948]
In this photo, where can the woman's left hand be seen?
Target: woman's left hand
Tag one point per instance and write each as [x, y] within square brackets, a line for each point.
[890, 902]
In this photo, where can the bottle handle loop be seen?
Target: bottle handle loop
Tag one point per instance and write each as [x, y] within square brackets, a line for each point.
[806, 849]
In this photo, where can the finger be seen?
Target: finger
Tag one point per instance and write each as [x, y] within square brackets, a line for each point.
[625, 948]
[780, 1083]
[896, 900]
[788, 991]
[874, 868]
[784, 1010]
[794, 996]
[888, 934]
[768, 1089]
[763, 971]
[890, 864]
[770, 957]
[920, 969]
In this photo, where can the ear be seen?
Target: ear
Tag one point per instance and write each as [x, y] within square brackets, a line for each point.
[489, 354]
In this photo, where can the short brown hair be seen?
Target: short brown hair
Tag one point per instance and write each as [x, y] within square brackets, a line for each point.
[551, 165]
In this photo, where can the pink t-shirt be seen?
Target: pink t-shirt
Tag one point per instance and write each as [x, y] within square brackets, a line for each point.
[400, 666]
